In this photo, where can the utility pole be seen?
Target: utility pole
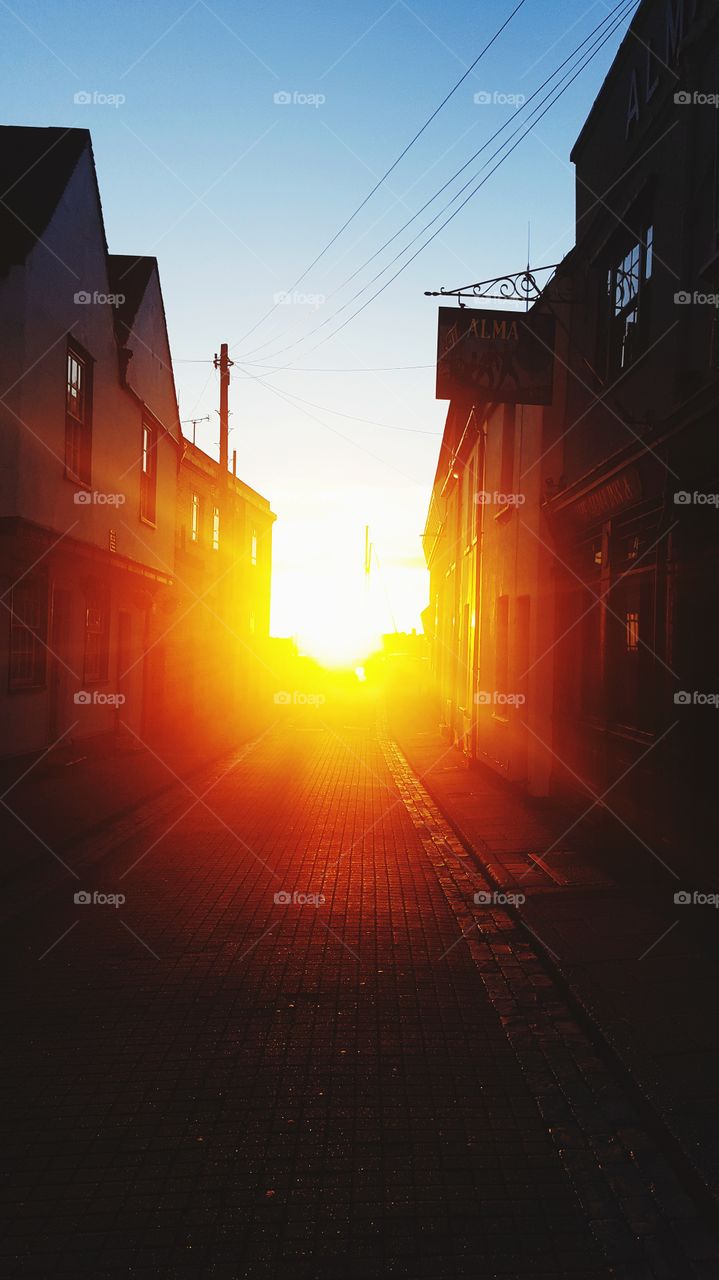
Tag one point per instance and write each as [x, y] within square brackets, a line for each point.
[224, 364]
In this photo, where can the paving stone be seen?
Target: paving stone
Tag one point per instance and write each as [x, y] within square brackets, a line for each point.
[210, 1081]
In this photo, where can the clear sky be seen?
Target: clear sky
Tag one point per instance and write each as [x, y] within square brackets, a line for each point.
[236, 193]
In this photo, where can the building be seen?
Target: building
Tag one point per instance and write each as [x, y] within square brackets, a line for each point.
[220, 668]
[134, 569]
[589, 598]
[490, 614]
[636, 541]
[90, 445]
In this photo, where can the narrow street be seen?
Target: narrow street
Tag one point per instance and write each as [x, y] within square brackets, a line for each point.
[375, 1078]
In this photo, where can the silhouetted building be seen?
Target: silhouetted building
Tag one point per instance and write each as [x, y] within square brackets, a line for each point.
[632, 524]
[583, 612]
[126, 605]
[90, 445]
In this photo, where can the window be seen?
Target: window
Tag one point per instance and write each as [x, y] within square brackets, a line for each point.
[253, 547]
[502, 657]
[632, 631]
[97, 635]
[464, 655]
[633, 666]
[627, 288]
[195, 518]
[506, 475]
[28, 633]
[471, 508]
[215, 528]
[459, 490]
[78, 417]
[148, 473]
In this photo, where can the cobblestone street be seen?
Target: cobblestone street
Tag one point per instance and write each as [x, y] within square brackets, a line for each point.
[299, 1048]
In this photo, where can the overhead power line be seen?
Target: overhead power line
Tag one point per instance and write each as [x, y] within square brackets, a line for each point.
[539, 111]
[391, 168]
[388, 426]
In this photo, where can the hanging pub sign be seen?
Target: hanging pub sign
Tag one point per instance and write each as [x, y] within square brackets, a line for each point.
[501, 356]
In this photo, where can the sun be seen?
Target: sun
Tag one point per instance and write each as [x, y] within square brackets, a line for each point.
[323, 597]
[339, 626]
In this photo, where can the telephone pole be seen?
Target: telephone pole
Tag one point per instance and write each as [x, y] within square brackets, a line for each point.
[224, 364]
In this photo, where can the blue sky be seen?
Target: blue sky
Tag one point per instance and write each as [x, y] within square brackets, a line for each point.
[236, 193]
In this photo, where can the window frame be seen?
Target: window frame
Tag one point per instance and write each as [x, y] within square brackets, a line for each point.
[148, 473]
[628, 278]
[78, 426]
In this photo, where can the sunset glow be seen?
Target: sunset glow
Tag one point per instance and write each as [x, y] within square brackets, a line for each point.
[321, 594]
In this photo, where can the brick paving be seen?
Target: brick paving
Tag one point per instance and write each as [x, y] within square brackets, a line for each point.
[207, 1081]
[602, 905]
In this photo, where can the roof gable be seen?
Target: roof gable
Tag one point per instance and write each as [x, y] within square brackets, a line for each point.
[35, 166]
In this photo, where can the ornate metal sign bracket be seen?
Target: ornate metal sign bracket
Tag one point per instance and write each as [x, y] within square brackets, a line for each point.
[519, 286]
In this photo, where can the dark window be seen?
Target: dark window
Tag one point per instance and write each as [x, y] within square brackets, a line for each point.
[28, 634]
[148, 473]
[97, 636]
[628, 302]
[633, 666]
[78, 417]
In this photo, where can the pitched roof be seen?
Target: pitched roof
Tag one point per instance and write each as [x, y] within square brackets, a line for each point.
[128, 276]
[36, 165]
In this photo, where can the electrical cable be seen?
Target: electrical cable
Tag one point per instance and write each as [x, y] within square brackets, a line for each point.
[629, 4]
[391, 168]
